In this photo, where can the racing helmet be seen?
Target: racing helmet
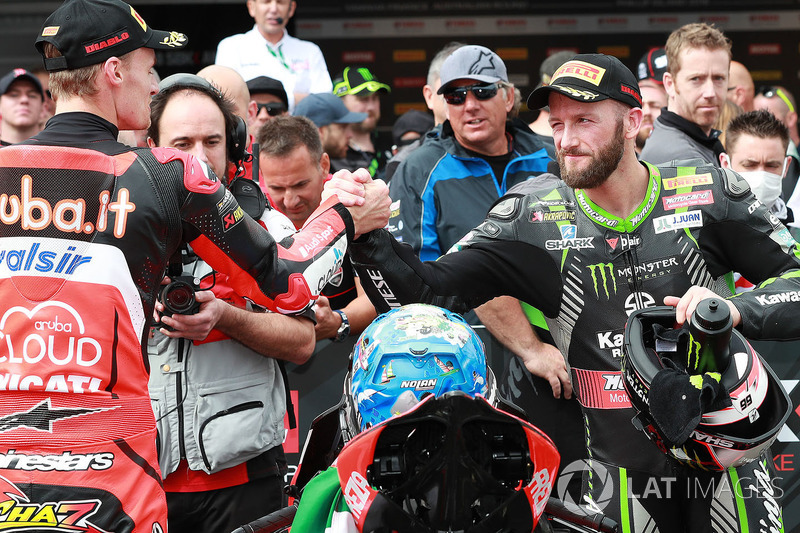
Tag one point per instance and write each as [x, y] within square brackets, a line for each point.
[729, 434]
[406, 354]
[432, 446]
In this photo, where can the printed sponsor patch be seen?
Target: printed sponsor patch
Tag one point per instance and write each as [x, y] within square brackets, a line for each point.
[581, 70]
[688, 199]
[691, 219]
[687, 181]
[553, 216]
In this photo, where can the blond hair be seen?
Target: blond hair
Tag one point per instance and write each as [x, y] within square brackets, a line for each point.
[694, 35]
[71, 82]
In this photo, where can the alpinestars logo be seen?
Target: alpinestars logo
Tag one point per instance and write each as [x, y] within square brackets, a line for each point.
[41, 417]
[18, 514]
[485, 61]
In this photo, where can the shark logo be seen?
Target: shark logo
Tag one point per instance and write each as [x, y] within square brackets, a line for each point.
[485, 61]
[41, 417]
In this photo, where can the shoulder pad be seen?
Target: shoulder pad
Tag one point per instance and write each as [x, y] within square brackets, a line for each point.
[735, 185]
[694, 162]
[197, 177]
[506, 207]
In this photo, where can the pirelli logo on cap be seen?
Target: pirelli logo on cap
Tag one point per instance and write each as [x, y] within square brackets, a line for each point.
[581, 70]
[139, 19]
[50, 31]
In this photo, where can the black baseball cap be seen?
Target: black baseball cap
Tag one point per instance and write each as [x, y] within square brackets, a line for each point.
[591, 78]
[267, 85]
[355, 80]
[88, 32]
[412, 120]
[20, 74]
[652, 66]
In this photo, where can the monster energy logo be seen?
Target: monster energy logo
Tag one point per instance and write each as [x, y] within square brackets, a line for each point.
[693, 354]
[602, 274]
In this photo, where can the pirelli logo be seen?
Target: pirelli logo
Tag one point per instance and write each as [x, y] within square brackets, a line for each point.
[687, 181]
[581, 70]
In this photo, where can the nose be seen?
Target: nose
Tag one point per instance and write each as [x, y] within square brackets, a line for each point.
[199, 151]
[567, 139]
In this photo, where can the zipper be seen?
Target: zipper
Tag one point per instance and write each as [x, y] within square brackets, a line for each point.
[231, 410]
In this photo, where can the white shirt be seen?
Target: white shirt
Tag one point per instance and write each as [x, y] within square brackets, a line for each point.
[298, 64]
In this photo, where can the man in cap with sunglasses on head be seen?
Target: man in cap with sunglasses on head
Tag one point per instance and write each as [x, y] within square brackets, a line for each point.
[616, 235]
[85, 244]
[445, 187]
[780, 102]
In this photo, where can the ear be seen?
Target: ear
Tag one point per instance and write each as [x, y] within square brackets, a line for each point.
[292, 8]
[252, 113]
[429, 95]
[509, 98]
[633, 121]
[669, 85]
[725, 160]
[251, 8]
[151, 143]
[112, 71]
[325, 165]
[791, 119]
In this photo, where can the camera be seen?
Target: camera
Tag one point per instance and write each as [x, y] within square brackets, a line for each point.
[178, 296]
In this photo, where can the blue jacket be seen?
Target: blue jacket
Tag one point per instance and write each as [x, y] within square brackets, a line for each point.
[442, 191]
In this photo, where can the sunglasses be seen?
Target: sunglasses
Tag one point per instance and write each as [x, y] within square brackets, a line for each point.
[273, 108]
[458, 95]
[770, 92]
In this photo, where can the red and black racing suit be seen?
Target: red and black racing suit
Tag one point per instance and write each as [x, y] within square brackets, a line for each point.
[587, 270]
[88, 226]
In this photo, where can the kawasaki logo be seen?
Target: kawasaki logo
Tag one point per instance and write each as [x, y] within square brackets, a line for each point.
[791, 296]
[603, 276]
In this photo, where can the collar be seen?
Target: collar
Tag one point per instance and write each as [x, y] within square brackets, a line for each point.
[710, 141]
[511, 130]
[283, 39]
[77, 125]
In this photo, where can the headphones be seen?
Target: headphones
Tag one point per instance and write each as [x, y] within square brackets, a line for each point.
[236, 137]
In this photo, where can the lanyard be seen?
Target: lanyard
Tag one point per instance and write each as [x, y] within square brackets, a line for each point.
[279, 57]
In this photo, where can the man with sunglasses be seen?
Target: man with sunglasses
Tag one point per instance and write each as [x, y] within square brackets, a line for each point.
[270, 98]
[447, 185]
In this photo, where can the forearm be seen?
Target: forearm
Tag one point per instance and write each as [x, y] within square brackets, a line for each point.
[270, 334]
[360, 311]
[504, 319]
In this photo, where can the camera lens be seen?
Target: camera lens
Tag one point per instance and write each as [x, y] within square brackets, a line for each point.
[179, 297]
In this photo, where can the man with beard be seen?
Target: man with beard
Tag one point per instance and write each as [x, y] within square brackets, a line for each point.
[360, 91]
[698, 61]
[650, 72]
[616, 235]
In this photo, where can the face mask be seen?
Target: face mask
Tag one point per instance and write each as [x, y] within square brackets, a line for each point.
[765, 185]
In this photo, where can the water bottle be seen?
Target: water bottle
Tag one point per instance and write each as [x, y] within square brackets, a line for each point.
[709, 337]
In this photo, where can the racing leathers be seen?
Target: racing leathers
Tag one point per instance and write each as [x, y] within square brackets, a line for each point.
[587, 270]
[88, 225]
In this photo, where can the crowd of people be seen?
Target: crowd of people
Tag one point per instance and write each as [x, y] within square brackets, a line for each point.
[215, 225]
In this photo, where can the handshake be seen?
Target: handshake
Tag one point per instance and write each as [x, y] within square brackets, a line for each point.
[367, 199]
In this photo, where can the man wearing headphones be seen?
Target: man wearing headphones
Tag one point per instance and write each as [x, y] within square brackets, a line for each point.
[217, 388]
